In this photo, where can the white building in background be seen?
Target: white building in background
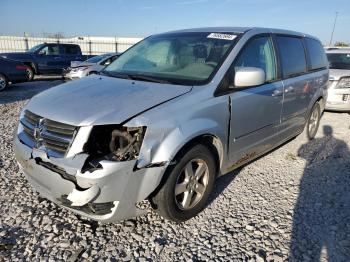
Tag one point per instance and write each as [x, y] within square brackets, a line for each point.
[105, 38]
[93, 45]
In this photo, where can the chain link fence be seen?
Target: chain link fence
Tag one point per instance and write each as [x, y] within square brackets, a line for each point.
[88, 45]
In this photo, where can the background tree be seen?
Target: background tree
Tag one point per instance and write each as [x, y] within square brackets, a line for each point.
[341, 44]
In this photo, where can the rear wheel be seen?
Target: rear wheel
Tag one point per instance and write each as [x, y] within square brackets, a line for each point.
[3, 82]
[30, 73]
[313, 122]
[187, 186]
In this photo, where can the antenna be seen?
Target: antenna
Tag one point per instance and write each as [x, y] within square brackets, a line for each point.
[335, 22]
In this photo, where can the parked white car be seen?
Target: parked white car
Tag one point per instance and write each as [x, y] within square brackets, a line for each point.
[91, 66]
[339, 79]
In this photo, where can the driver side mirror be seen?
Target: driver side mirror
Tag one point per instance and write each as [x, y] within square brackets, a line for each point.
[249, 76]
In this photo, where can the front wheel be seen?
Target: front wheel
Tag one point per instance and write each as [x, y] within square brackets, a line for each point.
[3, 82]
[187, 186]
[313, 122]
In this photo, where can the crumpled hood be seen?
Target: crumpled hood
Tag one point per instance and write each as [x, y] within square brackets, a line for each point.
[100, 100]
[336, 74]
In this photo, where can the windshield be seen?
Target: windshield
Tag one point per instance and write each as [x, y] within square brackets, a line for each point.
[179, 58]
[339, 61]
[35, 48]
[96, 59]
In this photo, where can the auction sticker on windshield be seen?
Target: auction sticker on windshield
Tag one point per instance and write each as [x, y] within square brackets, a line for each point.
[222, 36]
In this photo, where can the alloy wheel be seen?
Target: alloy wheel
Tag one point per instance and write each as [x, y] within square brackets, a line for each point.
[191, 184]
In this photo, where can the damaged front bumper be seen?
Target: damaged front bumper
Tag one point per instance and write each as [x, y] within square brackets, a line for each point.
[109, 193]
[74, 74]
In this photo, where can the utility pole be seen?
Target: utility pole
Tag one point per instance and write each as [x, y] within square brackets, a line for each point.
[335, 22]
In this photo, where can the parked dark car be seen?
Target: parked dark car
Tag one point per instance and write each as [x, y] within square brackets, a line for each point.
[48, 58]
[12, 71]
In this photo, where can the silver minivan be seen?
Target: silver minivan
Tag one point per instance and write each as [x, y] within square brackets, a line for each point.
[168, 117]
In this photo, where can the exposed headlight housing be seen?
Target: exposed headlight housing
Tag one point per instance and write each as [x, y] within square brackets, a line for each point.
[344, 83]
[114, 142]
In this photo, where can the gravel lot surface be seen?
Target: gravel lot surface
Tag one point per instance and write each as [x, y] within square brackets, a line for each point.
[292, 204]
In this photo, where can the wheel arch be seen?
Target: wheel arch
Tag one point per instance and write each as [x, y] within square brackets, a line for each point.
[322, 101]
[6, 76]
[32, 65]
[212, 142]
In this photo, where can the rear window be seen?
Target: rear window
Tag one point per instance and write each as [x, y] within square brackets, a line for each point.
[292, 55]
[71, 50]
[339, 60]
[317, 56]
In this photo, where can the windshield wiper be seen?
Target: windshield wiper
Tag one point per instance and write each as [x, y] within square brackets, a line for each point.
[134, 77]
[117, 75]
[148, 79]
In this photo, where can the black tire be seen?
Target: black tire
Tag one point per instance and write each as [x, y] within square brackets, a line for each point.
[30, 73]
[169, 204]
[3, 82]
[313, 122]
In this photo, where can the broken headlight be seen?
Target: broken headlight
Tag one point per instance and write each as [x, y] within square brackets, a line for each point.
[116, 143]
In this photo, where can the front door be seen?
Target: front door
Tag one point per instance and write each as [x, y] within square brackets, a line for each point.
[255, 111]
[49, 59]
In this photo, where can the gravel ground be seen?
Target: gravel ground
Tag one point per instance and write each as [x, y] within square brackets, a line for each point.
[292, 204]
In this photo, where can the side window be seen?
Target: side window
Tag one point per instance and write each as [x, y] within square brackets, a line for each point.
[50, 50]
[71, 50]
[259, 53]
[316, 54]
[292, 55]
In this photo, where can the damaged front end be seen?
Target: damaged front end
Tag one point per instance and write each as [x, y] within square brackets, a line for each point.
[112, 143]
[97, 175]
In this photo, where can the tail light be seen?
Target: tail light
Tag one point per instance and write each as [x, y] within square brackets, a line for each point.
[21, 67]
[344, 83]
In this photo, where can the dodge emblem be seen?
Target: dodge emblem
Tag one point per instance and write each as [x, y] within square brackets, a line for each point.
[38, 130]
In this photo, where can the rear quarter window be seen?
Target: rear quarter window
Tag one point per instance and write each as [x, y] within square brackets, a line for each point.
[316, 54]
[71, 50]
[292, 54]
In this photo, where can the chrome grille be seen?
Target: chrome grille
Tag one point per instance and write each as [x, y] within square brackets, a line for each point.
[54, 136]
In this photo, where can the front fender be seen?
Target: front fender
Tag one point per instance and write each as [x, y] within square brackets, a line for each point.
[161, 144]
[171, 126]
